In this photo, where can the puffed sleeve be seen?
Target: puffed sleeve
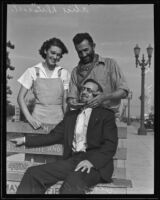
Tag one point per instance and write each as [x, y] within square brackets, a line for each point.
[65, 76]
[26, 79]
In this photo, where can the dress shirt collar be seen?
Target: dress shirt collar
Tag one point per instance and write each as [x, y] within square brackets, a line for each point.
[86, 110]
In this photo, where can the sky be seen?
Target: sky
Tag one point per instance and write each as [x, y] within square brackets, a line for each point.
[116, 29]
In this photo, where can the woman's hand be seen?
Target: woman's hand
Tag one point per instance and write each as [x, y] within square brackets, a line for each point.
[34, 122]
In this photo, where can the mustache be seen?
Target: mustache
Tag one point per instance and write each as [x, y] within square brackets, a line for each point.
[83, 95]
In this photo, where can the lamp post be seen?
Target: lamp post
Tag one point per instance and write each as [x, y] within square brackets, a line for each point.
[142, 64]
[129, 99]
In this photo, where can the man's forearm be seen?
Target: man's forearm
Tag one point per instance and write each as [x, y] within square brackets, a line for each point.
[119, 94]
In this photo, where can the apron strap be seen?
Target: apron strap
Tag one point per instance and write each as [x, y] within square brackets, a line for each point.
[59, 72]
[37, 71]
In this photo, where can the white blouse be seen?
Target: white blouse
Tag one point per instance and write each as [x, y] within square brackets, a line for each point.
[29, 76]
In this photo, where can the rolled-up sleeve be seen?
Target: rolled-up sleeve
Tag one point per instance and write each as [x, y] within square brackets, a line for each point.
[66, 78]
[118, 78]
[73, 89]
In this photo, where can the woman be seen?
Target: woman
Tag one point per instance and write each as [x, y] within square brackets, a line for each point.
[49, 83]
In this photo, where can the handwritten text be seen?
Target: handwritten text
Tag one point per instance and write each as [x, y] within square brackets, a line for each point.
[48, 9]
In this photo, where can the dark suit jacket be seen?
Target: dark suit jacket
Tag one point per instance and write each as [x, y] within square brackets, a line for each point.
[102, 139]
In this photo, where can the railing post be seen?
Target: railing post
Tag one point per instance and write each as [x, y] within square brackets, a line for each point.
[17, 113]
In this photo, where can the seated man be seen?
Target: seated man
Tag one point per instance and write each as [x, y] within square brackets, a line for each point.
[89, 137]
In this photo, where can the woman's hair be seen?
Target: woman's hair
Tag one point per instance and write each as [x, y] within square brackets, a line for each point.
[52, 42]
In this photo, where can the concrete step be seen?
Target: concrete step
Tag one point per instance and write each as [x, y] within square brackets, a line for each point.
[117, 186]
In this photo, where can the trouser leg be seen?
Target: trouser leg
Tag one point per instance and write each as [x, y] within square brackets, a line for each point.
[38, 179]
[79, 182]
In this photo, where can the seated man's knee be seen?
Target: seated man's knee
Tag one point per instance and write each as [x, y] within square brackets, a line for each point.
[73, 184]
[32, 171]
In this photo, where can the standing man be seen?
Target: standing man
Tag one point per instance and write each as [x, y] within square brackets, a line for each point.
[90, 141]
[104, 70]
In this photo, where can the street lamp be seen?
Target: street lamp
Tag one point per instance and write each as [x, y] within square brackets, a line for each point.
[142, 64]
[129, 99]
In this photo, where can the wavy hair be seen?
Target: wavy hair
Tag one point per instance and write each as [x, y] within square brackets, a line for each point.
[52, 42]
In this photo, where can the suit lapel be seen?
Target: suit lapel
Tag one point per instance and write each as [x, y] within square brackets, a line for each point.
[71, 126]
[94, 118]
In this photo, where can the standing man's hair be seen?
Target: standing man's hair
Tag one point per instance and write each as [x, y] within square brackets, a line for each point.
[78, 38]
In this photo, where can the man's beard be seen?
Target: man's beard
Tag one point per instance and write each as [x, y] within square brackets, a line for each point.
[89, 59]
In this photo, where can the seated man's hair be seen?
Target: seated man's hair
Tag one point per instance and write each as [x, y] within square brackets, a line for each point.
[93, 81]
